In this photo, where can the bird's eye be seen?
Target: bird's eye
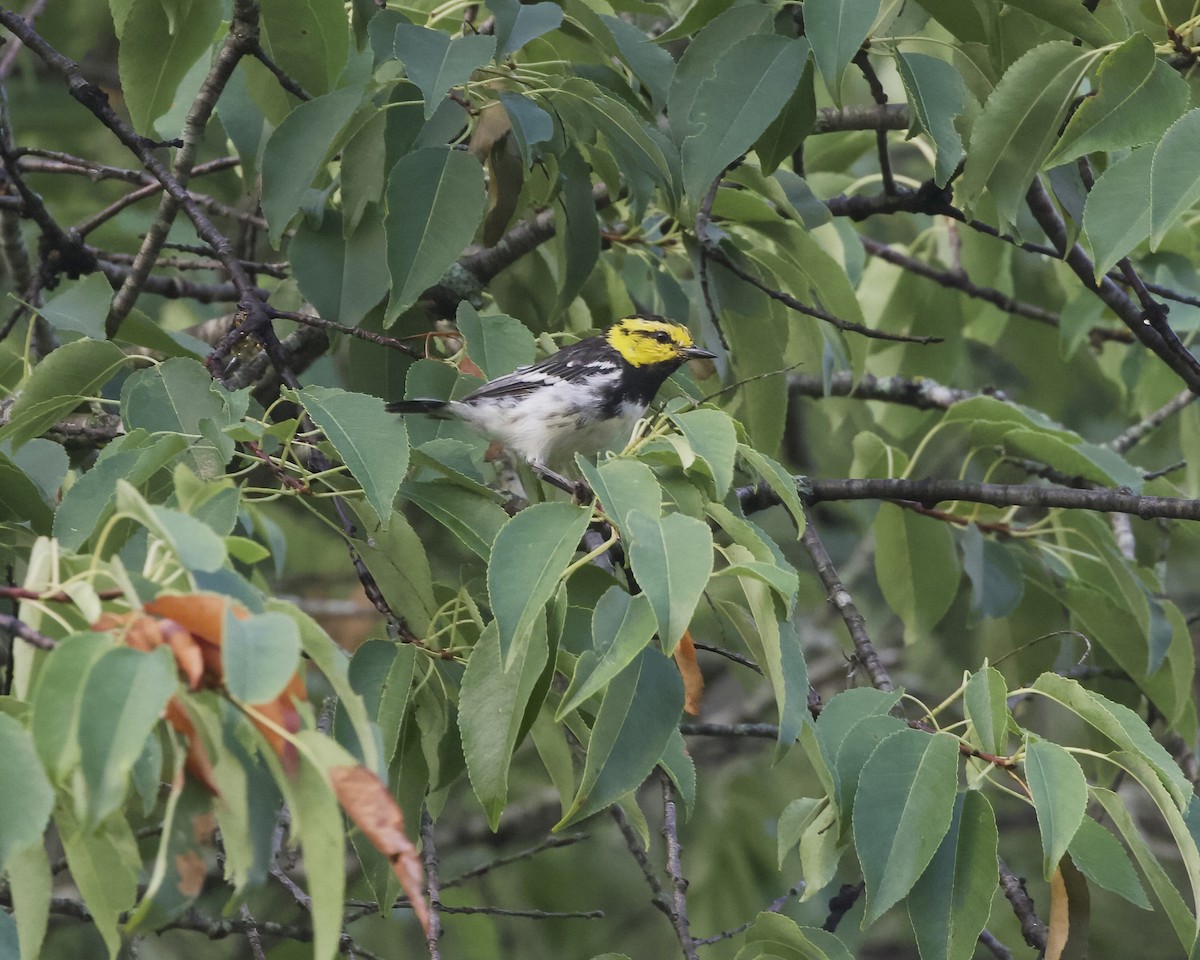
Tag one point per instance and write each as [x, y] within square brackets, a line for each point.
[662, 337]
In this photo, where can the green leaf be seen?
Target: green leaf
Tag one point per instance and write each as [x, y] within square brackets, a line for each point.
[259, 656]
[1101, 858]
[309, 39]
[297, 151]
[518, 23]
[752, 83]
[192, 541]
[104, 865]
[473, 518]
[672, 559]
[1174, 178]
[528, 559]
[587, 110]
[997, 581]
[1059, 791]
[1015, 131]
[435, 201]
[622, 626]
[342, 276]
[1120, 724]
[497, 343]
[333, 663]
[917, 567]
[1164, 885]
[836, 29]
[1067, 15]
[787, 131]
[81, 308]
[637, 719]
[436, 63]
[950, 903]
[492, 704]
[580, 233]
[124, 695]
[64, 379]
[782, 483]
[179, 396]
[186, 840]
[903, 809]
[160, 41]
[1182, 828]
[93, 496]
[397, 559]
[986, 703]
[776, 937]
[843, 711]
[852, 754]
[936, 95]
[821, 851]
[1124, 636]
[531, 125]
[57, 698]
[317, 823]
[797, 816]
[1116, 217]
[24, 790]
[1138, 97]
[372, 443]
[20, 499]
[650, 63]
[713, 438]
[702, 55]
[31, 884]
[961, 18]
[621, 487]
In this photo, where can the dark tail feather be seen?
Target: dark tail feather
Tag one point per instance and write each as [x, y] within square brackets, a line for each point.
[417, 406]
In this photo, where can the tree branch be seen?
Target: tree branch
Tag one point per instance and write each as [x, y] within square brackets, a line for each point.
[839, 596]
[921, 393]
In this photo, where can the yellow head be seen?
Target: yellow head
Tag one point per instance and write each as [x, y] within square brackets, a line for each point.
[646, 341]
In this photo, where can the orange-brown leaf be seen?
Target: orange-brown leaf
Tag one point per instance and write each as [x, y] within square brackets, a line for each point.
[197, 763]
[689, 669]
[1070, 913]
[202, 614]
[367, 802]
[282, 712]
[470, 368]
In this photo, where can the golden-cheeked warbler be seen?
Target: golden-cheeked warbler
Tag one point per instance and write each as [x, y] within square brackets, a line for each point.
[579, 400]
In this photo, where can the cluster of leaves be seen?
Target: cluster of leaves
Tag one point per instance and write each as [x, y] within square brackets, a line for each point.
[702, 162]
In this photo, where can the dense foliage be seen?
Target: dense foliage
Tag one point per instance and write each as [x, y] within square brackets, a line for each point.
[945, 253]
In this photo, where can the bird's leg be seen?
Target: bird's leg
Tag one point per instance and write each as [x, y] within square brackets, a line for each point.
[578, 489]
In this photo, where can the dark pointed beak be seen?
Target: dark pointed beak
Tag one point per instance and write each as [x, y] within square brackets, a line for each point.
[696, 353]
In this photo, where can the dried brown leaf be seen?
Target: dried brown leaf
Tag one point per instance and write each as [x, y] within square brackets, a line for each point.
[689, 669]
[368, 803]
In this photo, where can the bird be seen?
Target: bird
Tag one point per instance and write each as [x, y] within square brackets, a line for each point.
[579, 400]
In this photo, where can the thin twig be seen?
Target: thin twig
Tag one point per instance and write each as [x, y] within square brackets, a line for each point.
[775, 906]
[1138, 432]
[429, 856]
[550, 843]
[863, 62]
[841, 904]
[847, 326]
[930, 492]
[840, 597]
[16, 628]
[679, 884]
[639, 855]
[1033, 929]
[955, 280]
